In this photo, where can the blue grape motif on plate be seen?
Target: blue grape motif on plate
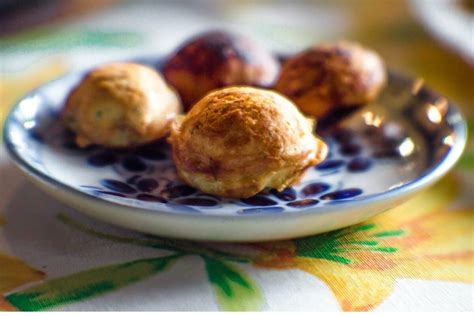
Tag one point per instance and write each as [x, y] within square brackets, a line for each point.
[147, 174]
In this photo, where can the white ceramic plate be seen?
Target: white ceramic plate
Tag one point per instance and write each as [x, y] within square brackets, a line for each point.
[380, 156]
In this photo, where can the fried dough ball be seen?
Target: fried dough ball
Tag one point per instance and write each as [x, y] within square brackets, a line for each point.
[218, 59]
[237, 141]
[332, 76]
[120, 105]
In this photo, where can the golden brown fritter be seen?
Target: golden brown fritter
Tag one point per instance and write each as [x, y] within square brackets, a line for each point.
[331, 76]
[120, 105]
[237, 141]
[217, 59]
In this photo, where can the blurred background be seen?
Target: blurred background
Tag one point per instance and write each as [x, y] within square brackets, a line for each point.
[42, 39]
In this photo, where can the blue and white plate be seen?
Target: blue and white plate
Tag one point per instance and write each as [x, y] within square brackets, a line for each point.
[379, 157]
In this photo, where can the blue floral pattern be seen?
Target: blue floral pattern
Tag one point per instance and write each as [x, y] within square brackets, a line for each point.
[146, 177]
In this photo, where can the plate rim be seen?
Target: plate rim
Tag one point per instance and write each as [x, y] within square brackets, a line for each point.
[429, 176]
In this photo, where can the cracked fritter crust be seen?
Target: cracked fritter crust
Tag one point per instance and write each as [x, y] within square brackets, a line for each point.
[120, 105]
[217, 59]
[329, 76]
[237, 141]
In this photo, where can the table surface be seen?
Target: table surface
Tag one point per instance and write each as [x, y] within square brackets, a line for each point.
[416, 257]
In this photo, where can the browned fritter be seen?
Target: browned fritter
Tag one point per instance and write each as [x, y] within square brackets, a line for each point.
[218, 59]
[237, 141]
[330, 76]
[120, 105]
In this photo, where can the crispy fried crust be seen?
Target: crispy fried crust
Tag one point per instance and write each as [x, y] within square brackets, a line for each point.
[237, 141]
[120, 105]
[217, 59]
[333, 75]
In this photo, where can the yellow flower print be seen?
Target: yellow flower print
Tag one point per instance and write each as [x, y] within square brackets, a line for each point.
[13, 86]
[14, 273]
[420, 239]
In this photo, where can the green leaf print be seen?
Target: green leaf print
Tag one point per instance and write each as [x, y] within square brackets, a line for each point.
[234, 291]
[86, 284]
[466, 161]
[45, 39]
[339, 244]
[182, 246]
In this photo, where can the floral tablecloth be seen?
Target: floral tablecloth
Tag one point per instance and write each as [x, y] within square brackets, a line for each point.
[418, 256]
